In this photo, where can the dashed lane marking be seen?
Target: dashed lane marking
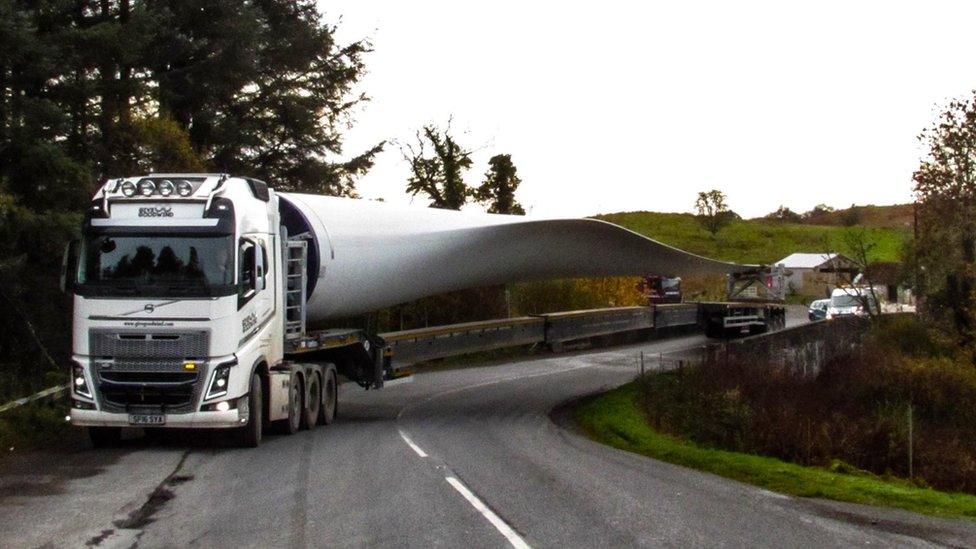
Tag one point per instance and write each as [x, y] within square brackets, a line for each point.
[499, 524]
[412, 445]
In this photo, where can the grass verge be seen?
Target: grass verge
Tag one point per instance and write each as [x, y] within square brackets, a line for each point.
[615, 418]
[36, 425]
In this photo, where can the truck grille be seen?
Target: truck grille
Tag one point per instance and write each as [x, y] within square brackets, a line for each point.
[144, 371]
[148, 346]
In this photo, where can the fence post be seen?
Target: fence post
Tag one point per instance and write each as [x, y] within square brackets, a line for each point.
[911, 442]
[642, 363]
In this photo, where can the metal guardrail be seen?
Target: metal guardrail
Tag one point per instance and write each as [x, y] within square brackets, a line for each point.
[552, 329]
[51, 392]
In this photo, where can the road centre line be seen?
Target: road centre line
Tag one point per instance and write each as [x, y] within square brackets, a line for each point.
[499, 524]
[412, 445]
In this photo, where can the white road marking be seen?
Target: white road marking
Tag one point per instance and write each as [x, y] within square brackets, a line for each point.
[494, 519]
[410, 443]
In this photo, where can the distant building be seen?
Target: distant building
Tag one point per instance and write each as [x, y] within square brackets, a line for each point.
[817, 274]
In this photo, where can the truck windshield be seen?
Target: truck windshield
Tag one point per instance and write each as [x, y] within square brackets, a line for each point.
[670, 283]
[157, 265]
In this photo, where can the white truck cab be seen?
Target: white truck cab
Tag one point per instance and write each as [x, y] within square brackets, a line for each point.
[188, 294]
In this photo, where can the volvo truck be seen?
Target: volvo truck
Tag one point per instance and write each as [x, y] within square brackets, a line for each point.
[189, 311]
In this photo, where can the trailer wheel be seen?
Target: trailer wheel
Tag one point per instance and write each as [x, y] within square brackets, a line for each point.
[313, 403]
[249, 435]
[105, 437]
[330, 400]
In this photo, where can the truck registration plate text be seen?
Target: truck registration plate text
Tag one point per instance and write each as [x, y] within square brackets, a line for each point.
[147, 419]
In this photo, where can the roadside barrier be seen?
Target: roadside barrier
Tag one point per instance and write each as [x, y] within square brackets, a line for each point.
[50, 392]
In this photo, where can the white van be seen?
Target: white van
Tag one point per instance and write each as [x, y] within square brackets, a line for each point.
[851, 302]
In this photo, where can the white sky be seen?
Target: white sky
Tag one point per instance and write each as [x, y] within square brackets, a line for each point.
[620, 106]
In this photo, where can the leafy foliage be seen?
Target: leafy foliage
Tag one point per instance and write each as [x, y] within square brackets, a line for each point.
[93, 90]
[498, 189]
[713, 213]
[945, 189]
[855, 410]
[437, 166]
[784, 214]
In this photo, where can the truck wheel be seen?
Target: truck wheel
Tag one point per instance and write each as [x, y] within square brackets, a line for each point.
[313, 405]
[295, 408]
[105, 437]
[330, 404]
[249, 435]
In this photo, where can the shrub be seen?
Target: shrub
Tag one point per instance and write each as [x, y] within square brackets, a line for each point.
[855, 410]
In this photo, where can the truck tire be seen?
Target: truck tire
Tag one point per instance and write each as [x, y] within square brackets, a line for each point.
[330, 399]
[249, 436]
[296, 406]
[104, 437]
[313, 403]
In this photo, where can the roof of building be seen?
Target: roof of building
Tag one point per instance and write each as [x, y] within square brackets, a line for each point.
[808, 260]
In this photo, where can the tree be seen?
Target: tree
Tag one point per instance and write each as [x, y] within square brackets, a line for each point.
[498, 189]
[257, 88]
[713, 213]
[851, 216]
[262, 88]
[945, 192]
[861, 250]
[437, 166]
[785, 214]
[819, 215]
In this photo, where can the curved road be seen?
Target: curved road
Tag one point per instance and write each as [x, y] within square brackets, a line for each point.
[467, 457]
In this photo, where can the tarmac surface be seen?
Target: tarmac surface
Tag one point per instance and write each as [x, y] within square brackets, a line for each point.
[473, 457]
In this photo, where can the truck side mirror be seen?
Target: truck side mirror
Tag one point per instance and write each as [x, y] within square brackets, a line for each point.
[69, 266]
[258, 270]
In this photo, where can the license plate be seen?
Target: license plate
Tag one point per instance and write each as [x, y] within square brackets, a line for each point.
[147, 419]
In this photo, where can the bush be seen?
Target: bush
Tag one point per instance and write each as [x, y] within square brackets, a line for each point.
[854, 411]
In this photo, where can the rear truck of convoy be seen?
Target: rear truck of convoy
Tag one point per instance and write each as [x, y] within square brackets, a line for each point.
[190, 297]
[755, 304]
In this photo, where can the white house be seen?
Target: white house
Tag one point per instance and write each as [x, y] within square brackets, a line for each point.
[816, 274]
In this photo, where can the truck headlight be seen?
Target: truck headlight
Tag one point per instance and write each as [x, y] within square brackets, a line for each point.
[129, 188]
[166, 187]
[184, 188]
[79, 383]
[219, 381]
[146, 187]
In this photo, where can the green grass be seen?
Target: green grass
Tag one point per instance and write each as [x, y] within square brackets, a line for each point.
[754, 240]
[615, 418]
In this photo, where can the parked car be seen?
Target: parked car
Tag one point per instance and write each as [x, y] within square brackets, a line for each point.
[818, 309]
[851, 302]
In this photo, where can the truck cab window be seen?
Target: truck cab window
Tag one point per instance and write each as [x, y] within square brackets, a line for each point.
[245, 269]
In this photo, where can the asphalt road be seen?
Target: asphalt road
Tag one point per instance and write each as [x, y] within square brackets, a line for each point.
[470, 457]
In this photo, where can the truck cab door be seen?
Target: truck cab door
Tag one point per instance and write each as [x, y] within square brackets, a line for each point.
[255, 290]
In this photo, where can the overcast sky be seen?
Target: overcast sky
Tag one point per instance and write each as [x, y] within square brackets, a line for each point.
[620, 106]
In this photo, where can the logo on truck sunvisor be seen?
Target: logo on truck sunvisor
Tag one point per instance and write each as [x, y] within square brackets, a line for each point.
[156, 211]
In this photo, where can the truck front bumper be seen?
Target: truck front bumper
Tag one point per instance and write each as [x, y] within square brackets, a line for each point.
[194, 420]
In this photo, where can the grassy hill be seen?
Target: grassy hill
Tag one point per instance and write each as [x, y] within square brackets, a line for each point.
[760, 240]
